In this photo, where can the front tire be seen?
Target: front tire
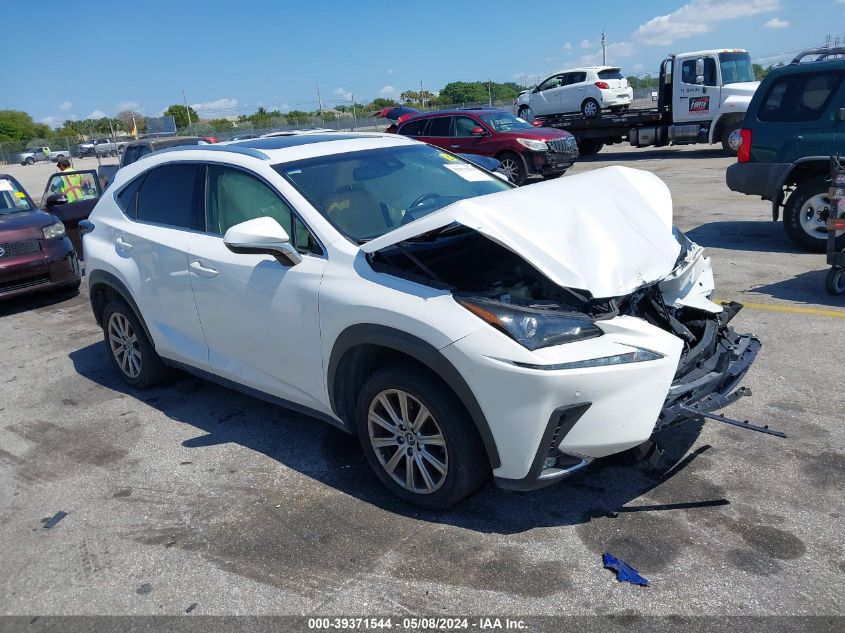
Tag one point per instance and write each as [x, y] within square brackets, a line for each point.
[731, 140]
[834, 282]
[30, 161]
[130, 350]
[526, 113]
[588, 147]
[805, 215]
[417, 437]
[590, 108]
[513, 167]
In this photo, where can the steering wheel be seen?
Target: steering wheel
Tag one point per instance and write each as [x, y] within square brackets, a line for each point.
[418, 202]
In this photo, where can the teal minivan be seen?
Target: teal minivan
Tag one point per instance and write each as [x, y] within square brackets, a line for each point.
[794, 123]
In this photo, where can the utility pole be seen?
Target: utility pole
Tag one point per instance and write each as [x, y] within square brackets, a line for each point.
[354, 116]
[603, 48]
[187, 109]
[422, 97]
[319, 100]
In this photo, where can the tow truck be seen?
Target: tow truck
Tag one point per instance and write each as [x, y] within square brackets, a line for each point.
[701, 98]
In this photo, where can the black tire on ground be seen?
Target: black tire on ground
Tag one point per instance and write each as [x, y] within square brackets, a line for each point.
[792, 216]
[30, 160]
[726, 136]
[588, 147]
[834, 281]
[526, 113]
[590, 108]
[152, 368]
[514, 166]
[59, 157]
[466, 461]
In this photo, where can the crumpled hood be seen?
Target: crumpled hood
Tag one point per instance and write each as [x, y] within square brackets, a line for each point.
[607, 231]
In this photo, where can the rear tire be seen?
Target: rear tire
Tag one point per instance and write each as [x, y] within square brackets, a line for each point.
[525, 112]
[588, 147]
[433, 465]
[804, 219]
[834, 282]
[513, 166]
[30, 161]
[590, 108]
[130, 350]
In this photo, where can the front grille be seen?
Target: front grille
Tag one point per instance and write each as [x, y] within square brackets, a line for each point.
[562, 145]
[20, 284]
[21, 247]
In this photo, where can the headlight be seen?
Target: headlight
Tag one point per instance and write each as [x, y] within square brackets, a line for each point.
[530, 143]
[54, 231]
[639, 355]
[532, 328]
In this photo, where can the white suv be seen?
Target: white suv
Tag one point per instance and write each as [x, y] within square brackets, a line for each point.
[585, 90]
[457, 324]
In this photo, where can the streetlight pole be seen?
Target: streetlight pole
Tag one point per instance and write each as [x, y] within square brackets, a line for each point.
[603, 48]
[187, 109]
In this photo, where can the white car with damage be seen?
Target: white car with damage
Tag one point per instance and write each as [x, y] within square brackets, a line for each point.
[458, 325]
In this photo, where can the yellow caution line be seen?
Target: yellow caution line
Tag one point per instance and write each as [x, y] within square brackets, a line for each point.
[839, 314]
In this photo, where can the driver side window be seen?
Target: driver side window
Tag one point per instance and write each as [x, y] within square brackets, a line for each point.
[551, 82]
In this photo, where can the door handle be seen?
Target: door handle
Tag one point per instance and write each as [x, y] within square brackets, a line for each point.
[455, 146]
[203, 271]
[122, 243]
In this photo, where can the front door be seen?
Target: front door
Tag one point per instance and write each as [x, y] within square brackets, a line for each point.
[464, 141]
[692, 101]
[82, 189]
[546, 97]
[258, 315]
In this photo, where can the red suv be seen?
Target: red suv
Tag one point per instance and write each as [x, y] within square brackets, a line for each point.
[523, 150]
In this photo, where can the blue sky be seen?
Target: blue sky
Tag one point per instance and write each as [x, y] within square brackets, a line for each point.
[230, 57]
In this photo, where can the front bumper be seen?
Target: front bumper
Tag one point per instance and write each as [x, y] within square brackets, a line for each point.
[54, 265]
[547, 163]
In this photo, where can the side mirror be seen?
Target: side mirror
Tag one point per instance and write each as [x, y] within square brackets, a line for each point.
[55, 199]
[262, 236]
[477, 131]
[699, 71]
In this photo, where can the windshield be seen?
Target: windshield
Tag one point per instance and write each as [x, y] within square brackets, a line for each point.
[505, 122]
[12, 198]
[366, 194]
[736, 68]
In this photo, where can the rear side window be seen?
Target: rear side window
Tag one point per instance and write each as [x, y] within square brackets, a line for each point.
[576, 78]
[610, 73]
[440, 126]
[126, 198]
[168, 196]
[799, 97]
[413, 128]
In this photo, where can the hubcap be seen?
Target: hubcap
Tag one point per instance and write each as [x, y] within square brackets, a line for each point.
[590, 108]
[510, 168]
[814, 216]
[124, 345]
[734, 139]
[407, 441]
[527, 114]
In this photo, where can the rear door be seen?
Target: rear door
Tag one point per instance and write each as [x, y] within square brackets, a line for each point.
[162, 209]
[82, 189]
[439, 131]
[575, 91]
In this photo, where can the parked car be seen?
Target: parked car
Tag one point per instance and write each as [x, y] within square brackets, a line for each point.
[101, 147]
[138, 149]
[794, 123]
[523, 149]
[37, 154]
[587, 90]
[35, 252]
[456, 323]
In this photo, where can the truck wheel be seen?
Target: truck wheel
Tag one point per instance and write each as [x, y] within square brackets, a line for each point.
[525, 112]
[834, 282]
[590, 108]
[588, 147]
[731, 139]
[30, 161]
[418, 439]
[805, 215]
[513, 167]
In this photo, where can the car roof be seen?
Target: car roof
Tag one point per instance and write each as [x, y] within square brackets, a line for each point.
[165, 141]
[281, 149]
[455, 111]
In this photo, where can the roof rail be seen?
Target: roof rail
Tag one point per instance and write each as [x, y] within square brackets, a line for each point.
[823, 53]
[236, 149]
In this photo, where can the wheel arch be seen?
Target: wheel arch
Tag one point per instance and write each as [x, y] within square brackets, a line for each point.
[104, 286]
[802, 170]
[362, 348]
[721, 121]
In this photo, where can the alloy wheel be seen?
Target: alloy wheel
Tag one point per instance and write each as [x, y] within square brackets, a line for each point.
[124, 346]
[590, 109]
[407, 441]
[510, 169]
[814, 214]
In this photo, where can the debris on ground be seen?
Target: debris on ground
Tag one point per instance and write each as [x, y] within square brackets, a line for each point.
[624, 572]
[192, 606]
[48, 523]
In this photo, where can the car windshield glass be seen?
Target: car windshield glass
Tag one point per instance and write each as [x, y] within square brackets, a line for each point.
[736, 68]
[505, 122]
[366, 194]
[12, 198]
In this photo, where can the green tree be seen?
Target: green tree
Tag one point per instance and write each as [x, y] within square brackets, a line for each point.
[180, 114]
[221, 125]
[16, 125]
[297, 117]
[379, 103]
